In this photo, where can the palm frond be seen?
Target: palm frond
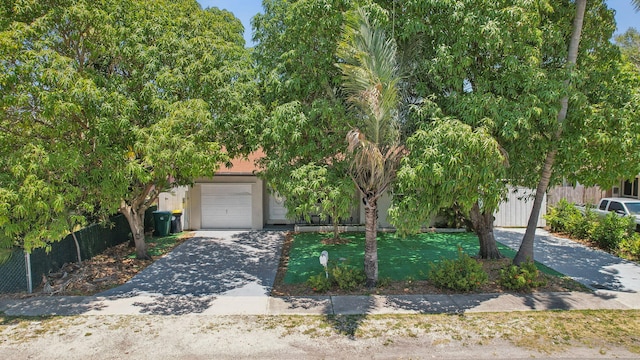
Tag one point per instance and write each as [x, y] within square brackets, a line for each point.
[370, 77]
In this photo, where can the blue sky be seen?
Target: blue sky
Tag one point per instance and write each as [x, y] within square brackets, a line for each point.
[626, 16]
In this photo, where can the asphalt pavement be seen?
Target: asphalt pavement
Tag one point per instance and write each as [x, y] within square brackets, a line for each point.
[232, 273]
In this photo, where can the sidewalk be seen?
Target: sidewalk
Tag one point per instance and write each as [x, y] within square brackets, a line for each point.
[318, 305]
[616, 283]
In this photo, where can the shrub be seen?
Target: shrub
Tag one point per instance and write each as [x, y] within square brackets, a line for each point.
[611, 230]
[342, 275]
[566, 218]
[558, 216]
[630, 247]
[580, 226]
[347, 277]
[462, 274]
[523, 277]
[319, 283]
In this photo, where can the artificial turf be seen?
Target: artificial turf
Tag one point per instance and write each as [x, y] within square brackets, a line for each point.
[399, 258]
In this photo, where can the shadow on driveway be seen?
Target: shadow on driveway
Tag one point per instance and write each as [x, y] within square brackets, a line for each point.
[211, 263]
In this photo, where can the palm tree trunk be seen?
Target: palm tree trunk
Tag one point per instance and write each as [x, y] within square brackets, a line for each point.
[526, 247]
[371, 243]
[482, 223]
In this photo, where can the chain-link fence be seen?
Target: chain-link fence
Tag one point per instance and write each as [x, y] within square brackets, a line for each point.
[13, 276]
[23, 272]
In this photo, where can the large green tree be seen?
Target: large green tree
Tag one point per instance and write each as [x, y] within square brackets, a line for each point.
[591, 117]
[475, 62]
[502, 66]
[136, 96]
[304, 132]
[450, 164]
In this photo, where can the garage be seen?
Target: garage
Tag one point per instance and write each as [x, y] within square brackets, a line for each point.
[226, 206]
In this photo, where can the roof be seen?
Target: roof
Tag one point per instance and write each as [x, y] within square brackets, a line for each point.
[242, 165]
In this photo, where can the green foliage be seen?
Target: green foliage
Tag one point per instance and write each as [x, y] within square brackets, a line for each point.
[319, 283]
[558, 216]
[448, 163]
[511, 79]
[341, 275]
[384, 282]
[347, 277]
[107, 103]
[566, 218]
[611, 230]
[629, 43]
[371, 81]
[462, 274]
[630, 247]
[306, 122]
[581, 226]
[523, 277]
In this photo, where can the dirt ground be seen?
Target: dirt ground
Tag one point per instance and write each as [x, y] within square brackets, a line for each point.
[110, 269]
[479, 336]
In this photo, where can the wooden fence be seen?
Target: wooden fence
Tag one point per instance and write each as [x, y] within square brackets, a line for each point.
[577, 195]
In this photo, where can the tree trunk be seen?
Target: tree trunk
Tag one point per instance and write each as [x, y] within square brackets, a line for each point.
[525, 252]
[336, 227]
[371, 243]
[78, 252]
[336, 230]
[482, 223]
[75, 240]
[136, 223]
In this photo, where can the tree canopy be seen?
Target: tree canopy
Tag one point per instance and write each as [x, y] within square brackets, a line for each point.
[114, 102]
[307, 121]
[629, 43]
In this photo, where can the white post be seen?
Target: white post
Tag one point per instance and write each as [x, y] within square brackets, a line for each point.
[27, 264]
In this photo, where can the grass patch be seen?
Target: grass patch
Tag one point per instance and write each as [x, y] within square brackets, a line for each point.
[544, 332]
[158, 246]
[398, 258]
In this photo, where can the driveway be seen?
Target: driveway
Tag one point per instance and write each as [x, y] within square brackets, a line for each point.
[589, 266]
[238, 263]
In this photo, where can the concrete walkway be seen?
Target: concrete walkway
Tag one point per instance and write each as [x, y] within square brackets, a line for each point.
[232, 273]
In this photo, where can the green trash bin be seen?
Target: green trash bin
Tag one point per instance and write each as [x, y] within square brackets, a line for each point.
[162, 220]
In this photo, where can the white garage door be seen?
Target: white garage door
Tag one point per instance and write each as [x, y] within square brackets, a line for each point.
[226, 206]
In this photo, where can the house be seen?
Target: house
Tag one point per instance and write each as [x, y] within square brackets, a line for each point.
[627, 188]
[235, 198]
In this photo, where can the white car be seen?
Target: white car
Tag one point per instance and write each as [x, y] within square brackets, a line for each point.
[621, 206]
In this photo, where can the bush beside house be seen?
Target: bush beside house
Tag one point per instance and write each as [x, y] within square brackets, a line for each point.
[611, 233]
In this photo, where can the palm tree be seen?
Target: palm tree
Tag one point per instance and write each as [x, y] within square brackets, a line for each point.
[525, 252]
[370, 80]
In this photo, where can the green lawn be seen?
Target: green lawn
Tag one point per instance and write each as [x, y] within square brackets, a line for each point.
[398, 258]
